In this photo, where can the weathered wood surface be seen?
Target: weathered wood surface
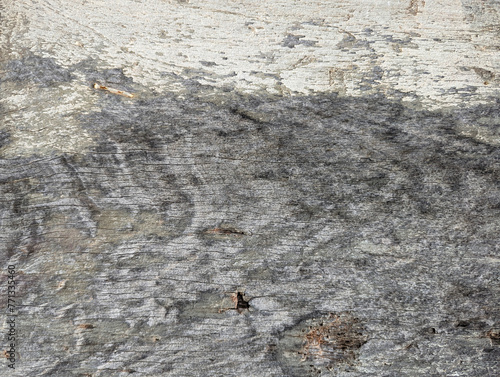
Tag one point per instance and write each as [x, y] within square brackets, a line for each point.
[337, 163]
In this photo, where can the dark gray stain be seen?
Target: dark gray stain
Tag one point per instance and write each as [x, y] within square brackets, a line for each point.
[482, 13]
[485, 74]
[44, 72]
[207, 63]
[292, 40]
[288, 190]
[4, 137]
[370, 153]
[349, 41]
[113, 77]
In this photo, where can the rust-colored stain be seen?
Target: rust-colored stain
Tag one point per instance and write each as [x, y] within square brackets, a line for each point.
[494, 335]
[332, 341]
[415, 6]
[113, 91]
[86, 326]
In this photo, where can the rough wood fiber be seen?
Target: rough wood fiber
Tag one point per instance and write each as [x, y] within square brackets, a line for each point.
[294, 189]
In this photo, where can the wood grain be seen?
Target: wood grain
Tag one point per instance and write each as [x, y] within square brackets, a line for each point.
[288, 189]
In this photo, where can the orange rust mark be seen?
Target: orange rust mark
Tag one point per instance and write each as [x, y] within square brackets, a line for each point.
[494, 335]
[113, 91]
[86, 326]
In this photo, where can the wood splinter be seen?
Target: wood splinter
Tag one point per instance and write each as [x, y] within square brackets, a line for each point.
[114, 91]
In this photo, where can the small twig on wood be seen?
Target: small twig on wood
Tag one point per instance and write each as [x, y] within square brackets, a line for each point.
[114, 91]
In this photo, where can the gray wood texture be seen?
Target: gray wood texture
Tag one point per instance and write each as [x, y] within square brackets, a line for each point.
[227, 188]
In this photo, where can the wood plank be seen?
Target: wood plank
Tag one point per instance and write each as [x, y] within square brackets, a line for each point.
[208, 188]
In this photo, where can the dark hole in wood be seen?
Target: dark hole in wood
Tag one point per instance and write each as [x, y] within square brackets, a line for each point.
[241, 303]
